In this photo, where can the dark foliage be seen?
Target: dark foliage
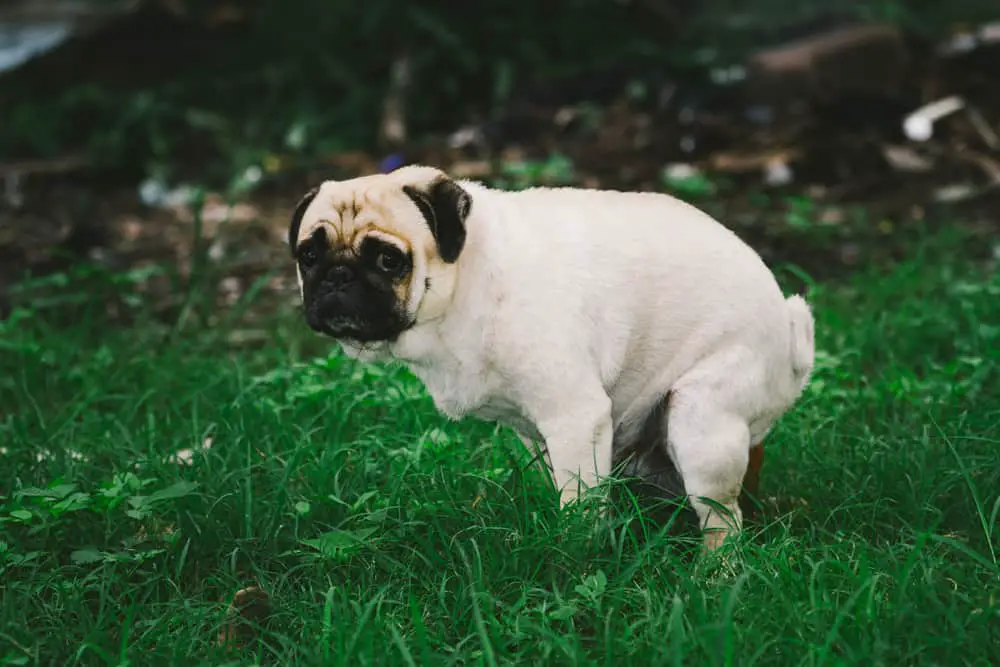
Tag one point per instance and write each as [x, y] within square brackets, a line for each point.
[153, 88]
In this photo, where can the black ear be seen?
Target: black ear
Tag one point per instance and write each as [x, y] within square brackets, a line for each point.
[300, 210]
[445, 206]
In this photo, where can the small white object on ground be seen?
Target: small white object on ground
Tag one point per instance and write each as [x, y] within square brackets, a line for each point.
[919, 125]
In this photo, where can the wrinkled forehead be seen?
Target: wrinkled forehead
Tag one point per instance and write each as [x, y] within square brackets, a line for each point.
[350, 210]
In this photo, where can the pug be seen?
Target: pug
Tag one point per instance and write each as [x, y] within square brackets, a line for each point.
[584, 319]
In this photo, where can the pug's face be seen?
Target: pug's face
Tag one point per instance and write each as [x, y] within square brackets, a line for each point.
[377, 255]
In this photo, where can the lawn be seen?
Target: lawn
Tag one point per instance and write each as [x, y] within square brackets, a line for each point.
[150, 471]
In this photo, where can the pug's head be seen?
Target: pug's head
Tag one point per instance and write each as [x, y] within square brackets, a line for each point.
[377, 255]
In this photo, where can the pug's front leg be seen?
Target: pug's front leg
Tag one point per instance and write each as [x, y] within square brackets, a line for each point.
[579, 445]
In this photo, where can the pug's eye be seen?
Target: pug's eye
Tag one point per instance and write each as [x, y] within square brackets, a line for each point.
[308, 256]
[389, 260]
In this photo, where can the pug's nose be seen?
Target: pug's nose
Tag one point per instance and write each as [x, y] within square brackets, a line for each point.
[338, 276]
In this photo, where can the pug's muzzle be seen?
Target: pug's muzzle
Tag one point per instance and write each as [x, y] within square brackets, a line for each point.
[341, 304]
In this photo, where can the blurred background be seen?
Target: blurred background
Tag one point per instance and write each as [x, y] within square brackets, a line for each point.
[167, 140]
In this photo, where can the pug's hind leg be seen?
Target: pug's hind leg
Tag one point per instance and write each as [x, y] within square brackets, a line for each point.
[710, 447]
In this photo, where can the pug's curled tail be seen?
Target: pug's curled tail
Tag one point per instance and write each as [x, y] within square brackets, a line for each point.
[803, 338]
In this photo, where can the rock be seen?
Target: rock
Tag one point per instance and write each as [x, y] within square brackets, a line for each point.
[249, 609]
[29, 28]
[869, 59]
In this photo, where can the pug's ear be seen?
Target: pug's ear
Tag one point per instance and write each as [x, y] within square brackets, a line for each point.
[445, 206]
[296, 222]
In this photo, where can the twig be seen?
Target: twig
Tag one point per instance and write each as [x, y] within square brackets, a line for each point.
[986, 132]
[990, 166]
[53, 166]
[392, 130]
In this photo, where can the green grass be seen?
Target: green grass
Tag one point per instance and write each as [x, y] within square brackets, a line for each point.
[387, 535]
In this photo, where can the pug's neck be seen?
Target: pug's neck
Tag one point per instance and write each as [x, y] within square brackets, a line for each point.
[463, 331]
